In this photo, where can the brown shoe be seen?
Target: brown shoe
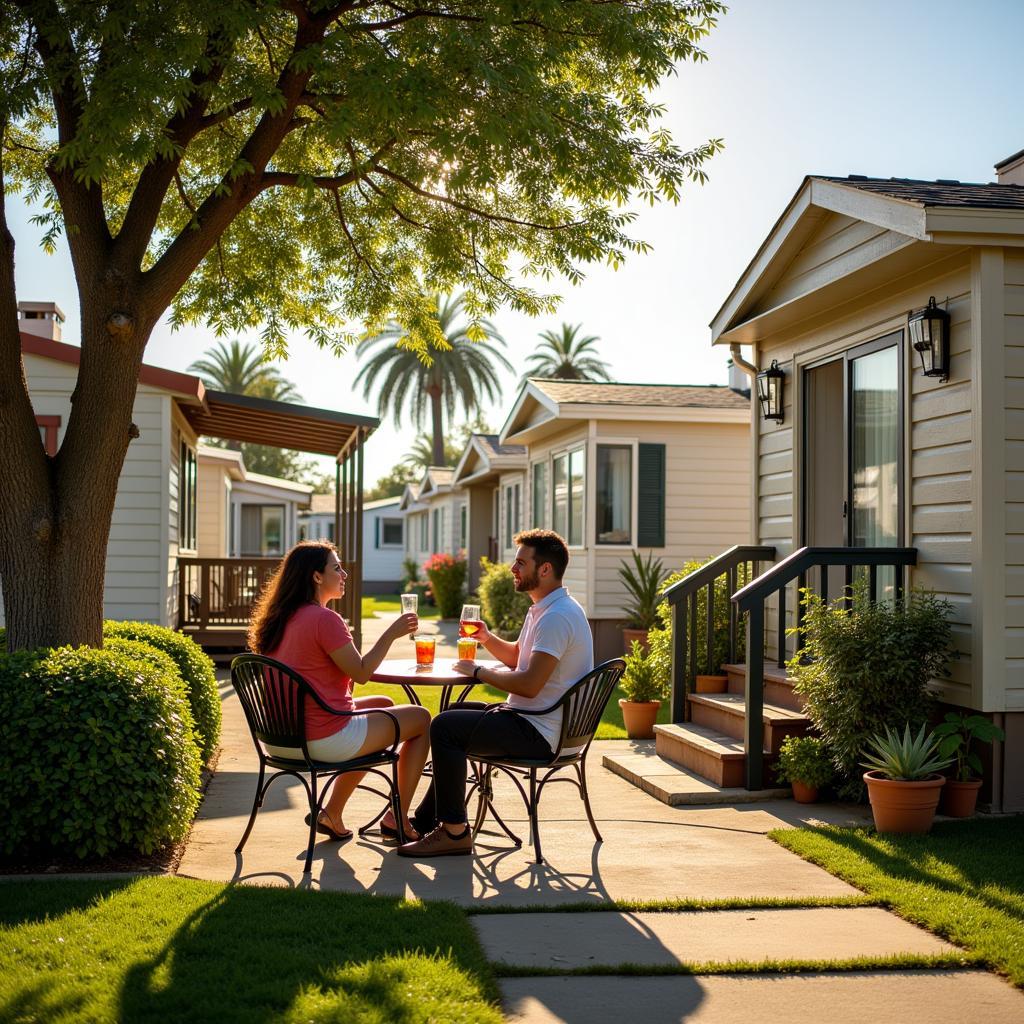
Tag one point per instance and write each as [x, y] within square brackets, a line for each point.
[439, 843]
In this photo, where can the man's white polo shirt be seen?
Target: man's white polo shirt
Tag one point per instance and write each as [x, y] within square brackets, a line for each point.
[555, 625]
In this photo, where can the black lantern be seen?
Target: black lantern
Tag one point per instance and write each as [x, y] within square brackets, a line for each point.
[929, 334]
[769, 391]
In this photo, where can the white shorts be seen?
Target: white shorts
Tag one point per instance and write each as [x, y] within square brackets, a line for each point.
[342, 745]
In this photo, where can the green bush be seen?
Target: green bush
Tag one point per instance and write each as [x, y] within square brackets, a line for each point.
[503, 608]
[804, 759]
[3, 639]
[864, 670]
[196, 670]
[641, 680]
[97, 753]
[447, 575]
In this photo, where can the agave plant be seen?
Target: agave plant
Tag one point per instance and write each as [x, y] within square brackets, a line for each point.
[907, 759]
[642, 581]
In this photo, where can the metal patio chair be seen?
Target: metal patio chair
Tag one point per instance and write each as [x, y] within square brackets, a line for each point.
[582, 706]
[273, 698]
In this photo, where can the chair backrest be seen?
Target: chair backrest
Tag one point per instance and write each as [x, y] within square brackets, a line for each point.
[584, 703]
[273, 699]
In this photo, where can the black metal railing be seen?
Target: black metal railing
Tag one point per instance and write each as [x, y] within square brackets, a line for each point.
[737, 566]
[801, 566]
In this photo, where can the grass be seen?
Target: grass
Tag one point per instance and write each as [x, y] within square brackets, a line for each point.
[391, 604]
[963, 881]
[675, 905]
[160, 949]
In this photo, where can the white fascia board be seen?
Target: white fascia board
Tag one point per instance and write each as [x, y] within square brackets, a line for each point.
[530, 393]
[472, 449]
[904, 216]
[972, 221]
[659, 413]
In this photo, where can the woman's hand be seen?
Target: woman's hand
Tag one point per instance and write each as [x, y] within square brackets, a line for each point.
[404, 625]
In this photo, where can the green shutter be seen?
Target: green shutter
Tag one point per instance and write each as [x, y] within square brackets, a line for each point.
[651, 496]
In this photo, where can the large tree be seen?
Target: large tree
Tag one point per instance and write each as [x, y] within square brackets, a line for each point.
[299, 165]
[460, 369]
[564, 355]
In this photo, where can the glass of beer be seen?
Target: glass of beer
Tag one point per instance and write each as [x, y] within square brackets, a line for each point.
[469, 620]
[467, 648]
[425, 646]
[410, 604]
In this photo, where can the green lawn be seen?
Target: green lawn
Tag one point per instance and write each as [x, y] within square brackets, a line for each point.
[163, 949]
[391, 604]
[963, 881]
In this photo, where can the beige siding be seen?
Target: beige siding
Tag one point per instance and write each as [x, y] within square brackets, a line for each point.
[214, 487]
[1014, 487]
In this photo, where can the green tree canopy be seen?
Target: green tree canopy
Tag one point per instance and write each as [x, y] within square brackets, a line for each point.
[565, 356]
[314, 165]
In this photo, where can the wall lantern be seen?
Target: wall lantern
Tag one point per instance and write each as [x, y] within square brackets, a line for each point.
[929, 334]
[769, 391]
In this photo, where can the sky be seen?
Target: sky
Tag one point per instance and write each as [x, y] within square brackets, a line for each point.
[900, 88]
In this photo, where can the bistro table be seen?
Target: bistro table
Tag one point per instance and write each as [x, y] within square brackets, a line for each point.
[405, 673]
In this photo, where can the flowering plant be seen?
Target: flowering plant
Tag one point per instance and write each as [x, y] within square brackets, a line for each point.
[447, 575]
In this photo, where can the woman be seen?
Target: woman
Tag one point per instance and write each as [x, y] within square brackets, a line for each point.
[291, 623]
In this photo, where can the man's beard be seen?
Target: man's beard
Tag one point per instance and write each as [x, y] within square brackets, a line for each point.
[527, 583]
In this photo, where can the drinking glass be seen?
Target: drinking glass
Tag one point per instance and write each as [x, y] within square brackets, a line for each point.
[425, 649]
[467, 648]
[410, 603]
[469, 620]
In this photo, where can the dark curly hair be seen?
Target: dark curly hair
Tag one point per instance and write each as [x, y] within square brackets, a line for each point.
[548, 546]
[286, 591]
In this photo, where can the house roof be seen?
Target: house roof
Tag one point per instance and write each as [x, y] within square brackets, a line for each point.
[544, 404]
[906, 211]
[410, 498]
[304, 490]
[235, 417]
[324, 504]
[230, 458]
[674, 396]
[436, 479]
[485, 458]
[942, 192]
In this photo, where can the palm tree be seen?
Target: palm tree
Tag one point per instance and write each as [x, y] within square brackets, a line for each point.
[563, 356]
[239, 369]
[462, 373]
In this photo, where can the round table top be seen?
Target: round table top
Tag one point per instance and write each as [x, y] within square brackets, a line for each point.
[441, 673]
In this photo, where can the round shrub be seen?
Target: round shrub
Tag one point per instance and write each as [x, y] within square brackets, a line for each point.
[447, 576]
[97, 753]
[503, 608]
[196, 670]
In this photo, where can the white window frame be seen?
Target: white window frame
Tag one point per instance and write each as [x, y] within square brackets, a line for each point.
[583, 448]
[544, 464]
[620, 442]
[382, 545]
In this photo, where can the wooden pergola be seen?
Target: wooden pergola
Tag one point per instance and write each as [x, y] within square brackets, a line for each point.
[315, 431]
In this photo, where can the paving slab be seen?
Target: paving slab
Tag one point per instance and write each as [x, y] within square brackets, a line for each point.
[611, 939]
[900, 997]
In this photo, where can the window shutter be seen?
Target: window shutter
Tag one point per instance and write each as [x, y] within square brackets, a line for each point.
[651, 496]
[376, 532]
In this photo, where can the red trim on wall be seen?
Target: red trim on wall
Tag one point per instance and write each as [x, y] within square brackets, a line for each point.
[50, 425]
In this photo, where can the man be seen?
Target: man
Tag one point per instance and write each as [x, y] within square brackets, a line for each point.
[555, 649]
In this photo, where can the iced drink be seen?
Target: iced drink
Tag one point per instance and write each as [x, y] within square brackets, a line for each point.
[467, 648]
[425, 650]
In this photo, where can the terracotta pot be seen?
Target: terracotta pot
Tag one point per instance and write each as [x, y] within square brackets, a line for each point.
[639, 717]
[900, 806]
[710, 684]
[959, 798]
[629, 635]
[804, 794]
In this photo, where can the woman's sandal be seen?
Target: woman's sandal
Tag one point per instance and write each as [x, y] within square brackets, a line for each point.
[390, 832]
[324, 827]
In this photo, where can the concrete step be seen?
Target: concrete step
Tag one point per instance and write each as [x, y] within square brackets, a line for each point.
[677, 786]
[710, 754]
[778, 686]
[726, 713]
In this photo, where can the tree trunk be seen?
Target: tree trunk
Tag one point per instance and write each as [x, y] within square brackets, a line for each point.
[437, 424]
[55, 513]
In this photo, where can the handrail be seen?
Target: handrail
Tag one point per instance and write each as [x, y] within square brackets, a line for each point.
[728, 559]
[797, 564]
[683, 599]
[751, 600]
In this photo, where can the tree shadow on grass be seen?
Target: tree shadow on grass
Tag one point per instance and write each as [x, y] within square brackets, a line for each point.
[25, 902]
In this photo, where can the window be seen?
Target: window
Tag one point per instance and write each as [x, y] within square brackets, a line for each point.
[389, 533]
[424, 527]
[513, 524]
[614, 494]
[540, 493]
[187, 470]
[567, 496]
[262, 530]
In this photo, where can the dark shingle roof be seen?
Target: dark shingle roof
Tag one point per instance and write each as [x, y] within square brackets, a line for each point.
[675, 396]
[489, 443]
[938, 193]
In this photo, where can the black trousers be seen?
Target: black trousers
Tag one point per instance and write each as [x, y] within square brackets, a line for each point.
[458, 734]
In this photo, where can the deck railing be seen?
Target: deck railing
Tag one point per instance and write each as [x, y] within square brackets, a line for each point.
[802, 566]
[220, 591]
[737, 566]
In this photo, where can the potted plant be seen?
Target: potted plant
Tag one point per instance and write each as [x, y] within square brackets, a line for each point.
[642, 581]
[960, 794]
[643, 688]
[903, 779]
[804, 763]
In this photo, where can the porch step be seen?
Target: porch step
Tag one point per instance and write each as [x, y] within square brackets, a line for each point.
[674, 785]
[726, 713]
[711, 754]
[778, 686]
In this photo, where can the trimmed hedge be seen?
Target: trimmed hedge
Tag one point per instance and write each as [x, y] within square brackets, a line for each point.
[196, 670]
[97, 753]
[501, 605]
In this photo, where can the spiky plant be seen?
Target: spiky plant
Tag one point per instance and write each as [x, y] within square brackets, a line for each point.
[905, 759]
